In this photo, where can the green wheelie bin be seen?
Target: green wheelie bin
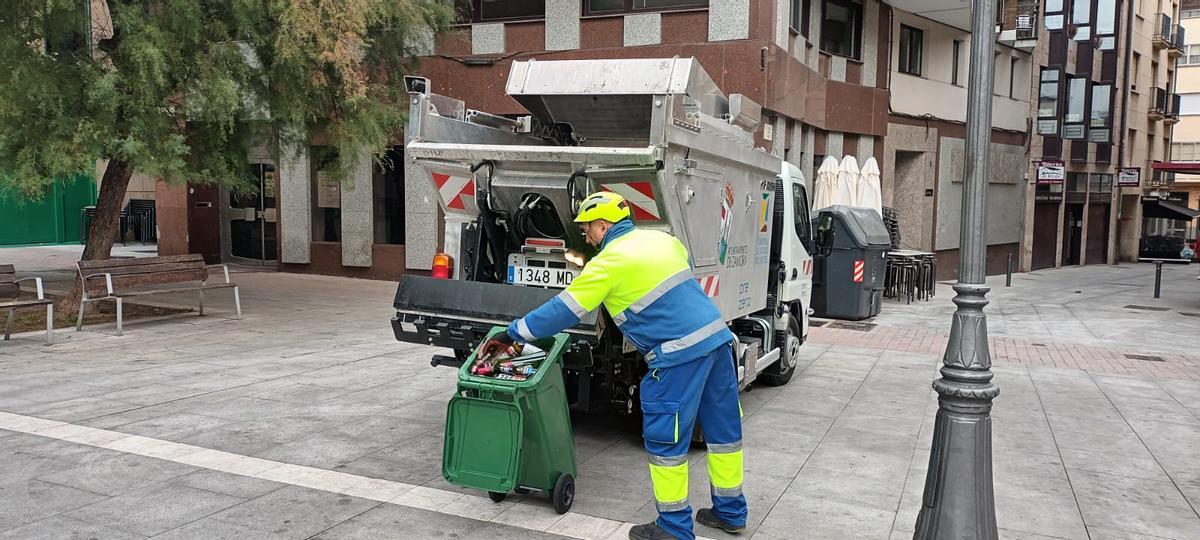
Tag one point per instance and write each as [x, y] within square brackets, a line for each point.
[505, 435]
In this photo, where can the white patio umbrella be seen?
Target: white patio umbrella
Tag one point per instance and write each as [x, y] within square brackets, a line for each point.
[847, 181]
[869, 194]
[825, 184]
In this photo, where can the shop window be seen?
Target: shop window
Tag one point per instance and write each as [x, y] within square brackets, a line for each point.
[841, 28]
[912, 41]
[599, 7]
[326, 196]
[499, 10]
[388, 194]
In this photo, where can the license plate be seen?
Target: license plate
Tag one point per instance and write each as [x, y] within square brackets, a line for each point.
[540, 276]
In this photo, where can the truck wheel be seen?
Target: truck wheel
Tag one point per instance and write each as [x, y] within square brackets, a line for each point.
[781, 372]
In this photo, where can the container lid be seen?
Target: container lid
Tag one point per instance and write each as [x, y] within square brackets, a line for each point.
[865, 226]
[483, 444]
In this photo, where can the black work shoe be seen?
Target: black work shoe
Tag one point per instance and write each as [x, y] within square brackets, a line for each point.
[649, 531]
[708, 518]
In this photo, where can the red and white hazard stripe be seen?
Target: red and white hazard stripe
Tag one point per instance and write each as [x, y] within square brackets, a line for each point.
[807, 267]
[858, 271]
[640, 196]
[457, 192]
[710, 284]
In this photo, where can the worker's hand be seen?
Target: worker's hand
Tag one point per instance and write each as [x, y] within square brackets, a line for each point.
[497, 346]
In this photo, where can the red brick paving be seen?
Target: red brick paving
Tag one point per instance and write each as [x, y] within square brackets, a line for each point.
[1006, 350]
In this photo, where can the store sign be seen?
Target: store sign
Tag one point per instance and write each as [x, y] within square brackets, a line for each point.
[1050, 172]
[1129, 177]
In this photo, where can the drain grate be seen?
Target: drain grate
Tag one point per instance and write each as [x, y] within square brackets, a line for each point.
[1189, 314]
[856, 326]
[1146, 308]
[1145, 357]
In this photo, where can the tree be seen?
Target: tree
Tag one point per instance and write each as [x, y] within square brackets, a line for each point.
[181, 89]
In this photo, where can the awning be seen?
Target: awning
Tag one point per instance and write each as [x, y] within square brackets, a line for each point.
[1177, 166]
[1168, 210]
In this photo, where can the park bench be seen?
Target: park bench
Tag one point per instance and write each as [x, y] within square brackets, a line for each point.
[118, 279]
[10, 299]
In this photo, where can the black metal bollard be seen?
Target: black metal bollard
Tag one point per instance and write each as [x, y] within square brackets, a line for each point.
[1008, 274]
[1157, 277]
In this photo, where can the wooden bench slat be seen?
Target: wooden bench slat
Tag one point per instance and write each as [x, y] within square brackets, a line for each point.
[24, 303]
[138, 261]
[7, 269]
[97, 286]
[144, 292]
[147, 269]
[9, 290]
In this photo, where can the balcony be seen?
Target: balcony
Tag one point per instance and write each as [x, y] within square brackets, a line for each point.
[1161, 38]
[1171, 116]
[1178, 44]
[1018, 27]
[1165, 106]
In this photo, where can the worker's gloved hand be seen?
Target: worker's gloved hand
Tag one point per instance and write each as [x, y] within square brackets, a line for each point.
[497, 346]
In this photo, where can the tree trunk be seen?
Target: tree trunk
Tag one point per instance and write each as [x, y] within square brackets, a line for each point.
[102, 231]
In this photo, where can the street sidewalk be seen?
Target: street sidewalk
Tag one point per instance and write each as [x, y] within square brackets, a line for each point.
[308, 420]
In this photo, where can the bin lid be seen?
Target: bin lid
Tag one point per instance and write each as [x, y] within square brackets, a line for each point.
[482, 445]
[865, 226]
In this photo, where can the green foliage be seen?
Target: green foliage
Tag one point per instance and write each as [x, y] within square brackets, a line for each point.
[181, 89]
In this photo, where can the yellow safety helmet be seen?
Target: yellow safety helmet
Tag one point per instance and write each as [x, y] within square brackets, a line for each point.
[604, 205]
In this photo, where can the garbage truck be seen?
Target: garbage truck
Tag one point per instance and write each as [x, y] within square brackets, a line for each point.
[660, 133]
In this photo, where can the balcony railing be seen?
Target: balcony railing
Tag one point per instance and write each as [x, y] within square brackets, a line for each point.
[1019, 26]
[1162, 31]
[1160, 104]
[1178, 42]
[1172, 113]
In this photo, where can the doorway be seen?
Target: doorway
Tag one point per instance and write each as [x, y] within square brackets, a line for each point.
[250, 217]
[1072, 234]
[1045, 235]
[1097, 238]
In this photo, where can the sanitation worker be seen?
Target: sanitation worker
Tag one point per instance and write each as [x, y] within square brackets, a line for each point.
[642, 277]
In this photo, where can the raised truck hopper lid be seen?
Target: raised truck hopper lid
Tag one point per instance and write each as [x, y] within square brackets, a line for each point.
[610, 99]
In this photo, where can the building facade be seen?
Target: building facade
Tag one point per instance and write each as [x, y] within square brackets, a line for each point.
[1184, 188]
[925, 147]
[1102, 119]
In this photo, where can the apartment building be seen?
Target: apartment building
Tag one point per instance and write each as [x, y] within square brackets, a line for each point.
[1102, 119]
[1182, 190]
[924, 151]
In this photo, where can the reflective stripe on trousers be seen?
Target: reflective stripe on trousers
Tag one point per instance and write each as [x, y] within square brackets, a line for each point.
[725, 469]
[669, 475]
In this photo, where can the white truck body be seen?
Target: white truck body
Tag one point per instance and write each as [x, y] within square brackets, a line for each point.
[660, 133]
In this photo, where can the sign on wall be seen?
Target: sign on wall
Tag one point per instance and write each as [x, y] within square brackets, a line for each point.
[1050, 172]
[1129, 177]
[329, 191]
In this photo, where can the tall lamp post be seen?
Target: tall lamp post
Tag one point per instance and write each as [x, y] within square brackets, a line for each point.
[959, 502]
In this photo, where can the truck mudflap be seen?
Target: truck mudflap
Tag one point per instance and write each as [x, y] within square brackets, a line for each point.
[458, 314]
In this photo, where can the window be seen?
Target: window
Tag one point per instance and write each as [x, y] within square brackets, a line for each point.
[1054, 22]
[327, 196]
[841, 28]
[1076, 87]
[1189, 104]
[388, 194]
[1101, 105]
[911, 45]
[1192, 56]
[1134, 71]
[800, 16]
[1106, 17]
[1189, 13]
[803, 224]
[955, 61]
[1054, 6]
[1100, 183]
[1077, 181]
[592, 7]
[1012, 76]
[1048, 94]
[498, 10]
[1081, 13]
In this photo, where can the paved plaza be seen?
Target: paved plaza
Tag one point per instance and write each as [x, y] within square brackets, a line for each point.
[308, 420]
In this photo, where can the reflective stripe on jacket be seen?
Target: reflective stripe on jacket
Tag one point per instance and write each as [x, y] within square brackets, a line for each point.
[645, 282]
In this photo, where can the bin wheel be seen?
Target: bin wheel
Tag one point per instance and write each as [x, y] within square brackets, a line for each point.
[564, 493]
[521, 491]
[496, 496]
